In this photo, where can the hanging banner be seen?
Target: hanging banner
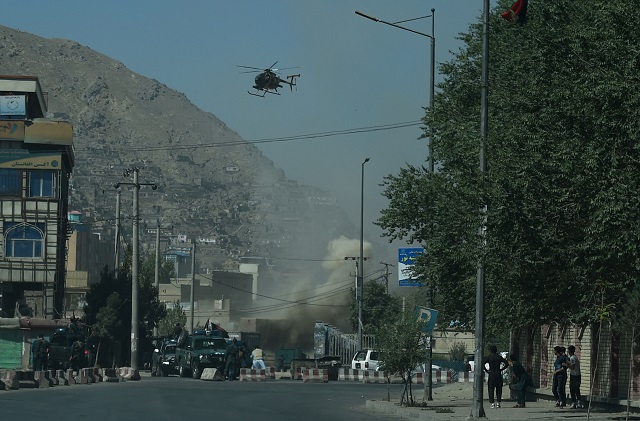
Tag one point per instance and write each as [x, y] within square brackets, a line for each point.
[406, 259]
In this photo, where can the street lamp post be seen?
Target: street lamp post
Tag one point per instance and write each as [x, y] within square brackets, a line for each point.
[478, 409]
[360, 286]
[134, 260]
[432, 78]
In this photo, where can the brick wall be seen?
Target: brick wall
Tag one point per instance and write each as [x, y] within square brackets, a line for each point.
[605, 359]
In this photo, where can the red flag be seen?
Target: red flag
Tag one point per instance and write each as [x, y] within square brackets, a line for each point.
[517, 12]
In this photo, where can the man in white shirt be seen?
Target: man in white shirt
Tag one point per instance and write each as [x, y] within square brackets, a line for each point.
[574, 378]
[257, 358]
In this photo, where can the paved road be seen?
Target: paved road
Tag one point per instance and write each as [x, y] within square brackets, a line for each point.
[187, 399]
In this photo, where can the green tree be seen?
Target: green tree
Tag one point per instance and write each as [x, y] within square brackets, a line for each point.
[172, 316]
[401, 347]
[377, 307]
[109, 305]
[563, 153]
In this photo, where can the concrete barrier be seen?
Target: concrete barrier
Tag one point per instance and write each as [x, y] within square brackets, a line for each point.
[211, 374]
[251, 375]
[111, 375]
[71, 379]
[82, 377]
[26, 379]
[469, 376]
[42, 379]
[129, 373]
[61, 378]
[296, 374]
[315, 375]
[350, 374]
[370, 376]
[271, 373]
[9, 380]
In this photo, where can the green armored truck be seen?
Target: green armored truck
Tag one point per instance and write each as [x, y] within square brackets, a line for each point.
[200, 350]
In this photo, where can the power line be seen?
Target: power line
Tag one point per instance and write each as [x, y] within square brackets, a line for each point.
[392, 126]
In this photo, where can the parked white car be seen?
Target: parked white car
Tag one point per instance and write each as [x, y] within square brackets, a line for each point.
[367, 359]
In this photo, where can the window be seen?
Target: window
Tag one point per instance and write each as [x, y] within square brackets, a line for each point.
[42, 184]
[23, 240]
[9, 182]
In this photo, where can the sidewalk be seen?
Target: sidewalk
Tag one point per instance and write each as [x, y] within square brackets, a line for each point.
[457, 400]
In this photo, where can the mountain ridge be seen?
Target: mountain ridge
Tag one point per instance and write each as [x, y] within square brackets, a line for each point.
[212, 184]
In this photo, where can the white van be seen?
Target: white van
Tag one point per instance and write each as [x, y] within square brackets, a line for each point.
[367, 359]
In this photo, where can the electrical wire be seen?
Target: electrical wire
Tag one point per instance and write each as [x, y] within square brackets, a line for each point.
[368, 129]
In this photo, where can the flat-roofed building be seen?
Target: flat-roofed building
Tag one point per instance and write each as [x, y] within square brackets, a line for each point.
[36, 161]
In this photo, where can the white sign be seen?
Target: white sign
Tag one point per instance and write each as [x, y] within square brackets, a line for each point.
[13, 105]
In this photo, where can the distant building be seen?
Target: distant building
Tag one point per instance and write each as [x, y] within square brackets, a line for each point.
[87, 255]
[36, 161]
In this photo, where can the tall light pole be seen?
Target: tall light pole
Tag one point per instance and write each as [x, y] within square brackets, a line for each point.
[135, 260]
[432, 77]
[117, 245]
[478, 409]
[360, 286]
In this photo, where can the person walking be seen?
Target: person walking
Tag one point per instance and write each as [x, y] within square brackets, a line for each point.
[574, 378]
[257, 357]
[522, 380]
[560, 377]
[494, 365]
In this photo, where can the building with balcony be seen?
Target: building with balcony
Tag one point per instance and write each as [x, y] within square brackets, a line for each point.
[36, 161]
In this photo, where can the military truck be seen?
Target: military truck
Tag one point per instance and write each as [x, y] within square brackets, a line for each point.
[63, 353]
[200, 350]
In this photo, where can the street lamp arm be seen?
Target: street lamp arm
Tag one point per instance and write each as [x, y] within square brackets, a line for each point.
[393, 24]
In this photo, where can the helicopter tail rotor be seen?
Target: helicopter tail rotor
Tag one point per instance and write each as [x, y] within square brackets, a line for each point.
[292, 80]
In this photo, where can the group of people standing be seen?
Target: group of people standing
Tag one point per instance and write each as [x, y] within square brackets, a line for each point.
[565, 365]
[494, 365]
[236, 358]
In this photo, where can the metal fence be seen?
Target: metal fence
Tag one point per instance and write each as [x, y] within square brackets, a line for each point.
[331, 341]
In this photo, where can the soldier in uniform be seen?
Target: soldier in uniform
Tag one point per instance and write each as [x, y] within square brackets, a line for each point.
[77, 350]
[231, 360]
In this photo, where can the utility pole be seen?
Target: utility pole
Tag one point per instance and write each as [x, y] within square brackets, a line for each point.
[157, 268]
[135, 260]
[193, 279]
[117, 245]
[478, 409]
[359, 294]
[386, 274]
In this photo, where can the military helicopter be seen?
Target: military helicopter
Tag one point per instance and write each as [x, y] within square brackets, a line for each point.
[268, 81]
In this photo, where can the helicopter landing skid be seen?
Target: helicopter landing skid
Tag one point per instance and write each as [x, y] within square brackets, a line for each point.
[264, 92]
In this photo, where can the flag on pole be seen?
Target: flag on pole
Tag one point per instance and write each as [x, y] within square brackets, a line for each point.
[517, 12]
[207, 326]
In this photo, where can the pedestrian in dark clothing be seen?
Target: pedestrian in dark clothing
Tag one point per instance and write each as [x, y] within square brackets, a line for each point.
[496, 365]
[521, 378]
[36, 349]
[574, 378]
[231, 360]
[560, 377]
[177, 331]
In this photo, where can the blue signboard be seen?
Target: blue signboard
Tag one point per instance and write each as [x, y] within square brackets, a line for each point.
[428, 316]
[406, 258]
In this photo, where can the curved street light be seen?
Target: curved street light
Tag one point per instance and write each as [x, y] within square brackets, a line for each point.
[432, 80]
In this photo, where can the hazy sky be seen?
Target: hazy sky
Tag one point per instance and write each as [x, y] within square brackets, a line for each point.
[355, 74]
